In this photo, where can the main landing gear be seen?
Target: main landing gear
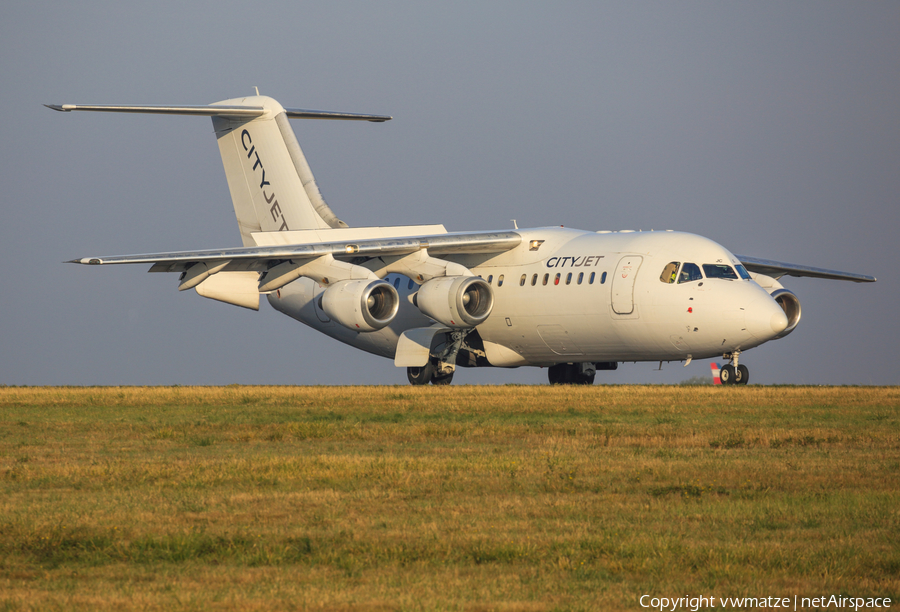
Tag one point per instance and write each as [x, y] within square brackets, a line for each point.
[734, 374]
[429, 373]
[441, 366]
[572, 373]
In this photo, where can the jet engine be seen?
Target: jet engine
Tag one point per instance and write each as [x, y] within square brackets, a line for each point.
[361, 305]
[456, 301]
[790, 304]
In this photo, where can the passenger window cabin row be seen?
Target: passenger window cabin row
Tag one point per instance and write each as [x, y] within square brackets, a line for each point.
[557, 279]
[545, 280]
[690, 272]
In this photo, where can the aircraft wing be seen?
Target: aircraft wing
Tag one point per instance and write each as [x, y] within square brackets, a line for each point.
[777, 269]
[261, 258]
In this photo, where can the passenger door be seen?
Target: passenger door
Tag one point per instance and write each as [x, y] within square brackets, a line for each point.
[623, 284]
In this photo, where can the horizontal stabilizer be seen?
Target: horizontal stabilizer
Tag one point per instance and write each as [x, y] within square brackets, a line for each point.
[299, 113]
[202, 111]
[216, 110]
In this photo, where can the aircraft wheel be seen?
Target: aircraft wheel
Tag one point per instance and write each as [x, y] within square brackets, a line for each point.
[557, 374]
[742, 375]
[727, 374]
[442, 380]
[420, 376]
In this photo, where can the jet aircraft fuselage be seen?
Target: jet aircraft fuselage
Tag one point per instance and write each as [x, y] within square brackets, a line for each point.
[571, 300]
[588, 296]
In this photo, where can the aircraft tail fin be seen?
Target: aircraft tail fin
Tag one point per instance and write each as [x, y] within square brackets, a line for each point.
[272, 187]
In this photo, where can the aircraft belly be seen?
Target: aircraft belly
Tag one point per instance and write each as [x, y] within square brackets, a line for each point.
[558, 339]
[544, 339]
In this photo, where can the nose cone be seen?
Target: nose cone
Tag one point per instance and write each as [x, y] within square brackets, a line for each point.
[765, 319]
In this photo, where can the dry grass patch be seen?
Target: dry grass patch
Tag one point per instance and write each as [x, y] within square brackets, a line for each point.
[511, 498]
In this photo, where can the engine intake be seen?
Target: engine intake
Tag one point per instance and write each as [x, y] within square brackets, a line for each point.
[456, 301]
[361, 305]
[790, 304]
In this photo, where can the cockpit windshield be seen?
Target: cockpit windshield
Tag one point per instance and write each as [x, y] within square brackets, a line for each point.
[719, 271]
[669, 273]
[689, 272]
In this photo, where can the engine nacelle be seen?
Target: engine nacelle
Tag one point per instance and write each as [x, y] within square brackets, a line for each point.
[361, 305]
[790, 304]
[456, 301]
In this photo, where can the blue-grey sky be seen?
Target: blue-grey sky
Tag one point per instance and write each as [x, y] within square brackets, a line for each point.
[771, 127]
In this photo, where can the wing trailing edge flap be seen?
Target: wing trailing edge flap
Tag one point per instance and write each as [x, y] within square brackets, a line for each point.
[237, 288]
[777, 269]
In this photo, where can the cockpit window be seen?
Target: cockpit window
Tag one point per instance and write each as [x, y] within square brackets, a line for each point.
[743, 272]
[669, 273]
[689, 272]
[719, 271]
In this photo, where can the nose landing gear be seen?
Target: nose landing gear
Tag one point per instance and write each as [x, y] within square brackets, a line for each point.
[733, 373]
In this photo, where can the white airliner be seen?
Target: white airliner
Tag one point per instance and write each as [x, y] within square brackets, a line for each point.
[571, 300]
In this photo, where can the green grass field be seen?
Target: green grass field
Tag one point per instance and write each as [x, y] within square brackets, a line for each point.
[456, 498]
